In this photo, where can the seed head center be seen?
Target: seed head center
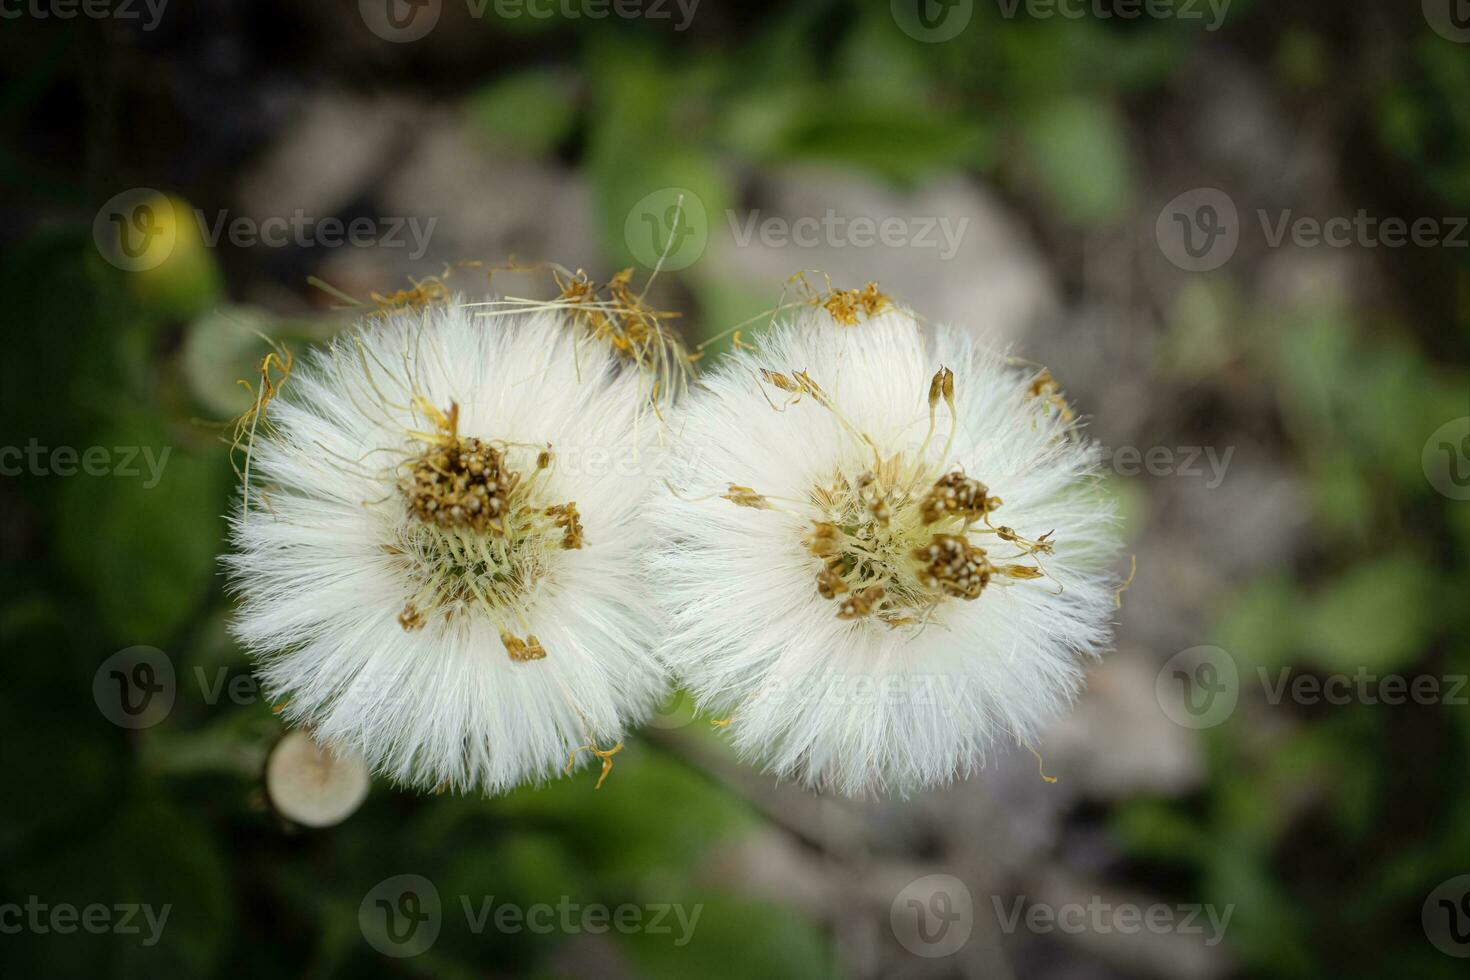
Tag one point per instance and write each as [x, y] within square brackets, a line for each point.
[894, 545]
[476, 534]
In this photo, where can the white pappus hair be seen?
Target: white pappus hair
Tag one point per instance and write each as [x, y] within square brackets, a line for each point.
[883, 550]
[438, 561]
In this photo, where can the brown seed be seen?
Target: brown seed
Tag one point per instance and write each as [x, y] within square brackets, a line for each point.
[954, 566]
[861, 603]
[410, 619]
[829, 584]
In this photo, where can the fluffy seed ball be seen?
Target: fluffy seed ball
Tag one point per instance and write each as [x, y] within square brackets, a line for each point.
[438, 559]
[883, 552]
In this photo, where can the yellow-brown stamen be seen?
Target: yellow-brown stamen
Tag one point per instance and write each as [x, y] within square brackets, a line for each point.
[1045, 387]
[844, 305]
[523, 651]
[565, 516]
[746, 497]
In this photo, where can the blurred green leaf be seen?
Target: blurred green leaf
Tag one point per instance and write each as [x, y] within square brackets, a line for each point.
[1376, 615]
[1259, 624]
[146, 854]
[616, 831]
[1301, 59]
[1343, 501]
[225, 346]
[1077, 150]
[1423, 117]
[731, 938]
[532, 110]
[58, 753]
[53, 390]
[145, 545]
[1155, 830]
[1201, 341]
[892, 138]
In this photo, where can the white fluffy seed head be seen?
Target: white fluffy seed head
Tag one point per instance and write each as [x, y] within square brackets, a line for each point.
[439, 563]
[885, 551]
